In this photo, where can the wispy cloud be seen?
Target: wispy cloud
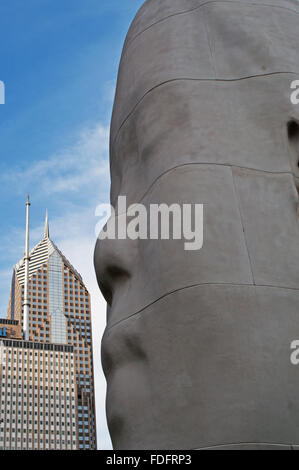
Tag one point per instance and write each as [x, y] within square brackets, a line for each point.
[70, 169]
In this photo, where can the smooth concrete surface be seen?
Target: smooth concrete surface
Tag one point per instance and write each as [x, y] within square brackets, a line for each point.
[197, 346]
[204, 366]
[193, 127]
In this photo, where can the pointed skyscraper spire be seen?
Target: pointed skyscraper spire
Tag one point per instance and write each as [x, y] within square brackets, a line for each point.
[47, 231]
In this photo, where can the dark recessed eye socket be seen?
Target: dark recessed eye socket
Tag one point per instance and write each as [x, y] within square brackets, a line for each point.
[293, 130]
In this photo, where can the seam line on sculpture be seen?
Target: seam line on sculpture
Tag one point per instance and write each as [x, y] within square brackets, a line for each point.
[192, 287]
[226, 165]
[243, 225]
[245, 443]
[224, 80]
[127, 46]
[212, 57]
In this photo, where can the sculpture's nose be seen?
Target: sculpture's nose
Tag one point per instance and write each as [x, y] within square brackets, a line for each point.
[113, 259]
[293, 137]
[293, 143]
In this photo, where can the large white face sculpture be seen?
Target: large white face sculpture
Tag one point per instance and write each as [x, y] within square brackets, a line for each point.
[197, 346]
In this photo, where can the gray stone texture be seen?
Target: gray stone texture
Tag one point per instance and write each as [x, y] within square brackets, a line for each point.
[197, 346]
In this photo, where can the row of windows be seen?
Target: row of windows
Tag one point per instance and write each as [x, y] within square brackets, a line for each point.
[38, 363]
[59, 406]
[35, 431]
[36, 441]
[47, 414]
[42, 346]
[63, 370]
[10, 444]
[41, 397]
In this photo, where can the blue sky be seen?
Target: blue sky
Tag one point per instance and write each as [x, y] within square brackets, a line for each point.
[59, 61]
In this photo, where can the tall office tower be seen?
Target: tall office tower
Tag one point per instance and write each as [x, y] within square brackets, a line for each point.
[59, 313]
[38, 396]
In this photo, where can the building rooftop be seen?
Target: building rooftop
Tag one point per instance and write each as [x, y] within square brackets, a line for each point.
[38, 256]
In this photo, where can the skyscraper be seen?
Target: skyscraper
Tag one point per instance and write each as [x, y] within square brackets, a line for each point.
[38, 408]
[59, 314]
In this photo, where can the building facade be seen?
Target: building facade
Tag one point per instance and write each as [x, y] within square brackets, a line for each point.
[10, 329]
[38, 408]
[59, 314]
